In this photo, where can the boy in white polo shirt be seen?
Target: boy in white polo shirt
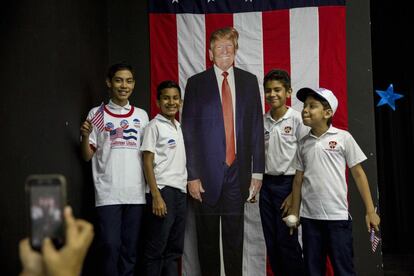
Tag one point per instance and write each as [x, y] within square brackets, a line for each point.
[166, 174]
[320, 187]
[111, 137]
[283, 128]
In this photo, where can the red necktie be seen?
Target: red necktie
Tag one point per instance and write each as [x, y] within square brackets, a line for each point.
[228, 119]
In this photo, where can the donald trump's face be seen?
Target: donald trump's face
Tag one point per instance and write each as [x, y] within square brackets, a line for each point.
[222, 53]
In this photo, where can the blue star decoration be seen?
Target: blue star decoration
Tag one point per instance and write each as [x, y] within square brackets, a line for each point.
[388, 97]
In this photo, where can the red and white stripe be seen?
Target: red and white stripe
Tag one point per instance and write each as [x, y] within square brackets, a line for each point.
[98, 118]
[309, 43]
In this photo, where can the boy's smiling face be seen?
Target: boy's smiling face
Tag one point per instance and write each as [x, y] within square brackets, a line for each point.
[313, 114]
[276, 94]
[121, 86]
[169, 102]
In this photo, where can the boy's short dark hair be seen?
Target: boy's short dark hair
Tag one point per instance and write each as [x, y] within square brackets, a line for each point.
[118, 67]
[278, 75]
[167, 84]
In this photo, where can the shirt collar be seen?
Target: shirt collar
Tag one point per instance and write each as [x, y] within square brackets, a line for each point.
[163, 119]
[114, 106]
[331, 130]
[219, 72]
[284, 117]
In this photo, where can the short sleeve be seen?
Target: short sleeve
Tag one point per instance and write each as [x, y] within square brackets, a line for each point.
[297, 162]
[149, 140]
[302, 130]
[353, 153]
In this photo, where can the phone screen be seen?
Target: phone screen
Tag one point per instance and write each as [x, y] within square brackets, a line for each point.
[46, 197]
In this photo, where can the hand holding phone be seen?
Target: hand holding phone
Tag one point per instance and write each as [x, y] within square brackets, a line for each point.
[68, 259]
[46, 196]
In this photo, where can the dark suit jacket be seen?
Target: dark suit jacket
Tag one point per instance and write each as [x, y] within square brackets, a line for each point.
[204, 136]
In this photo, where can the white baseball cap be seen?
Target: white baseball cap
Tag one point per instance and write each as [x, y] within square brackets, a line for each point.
[322, 92]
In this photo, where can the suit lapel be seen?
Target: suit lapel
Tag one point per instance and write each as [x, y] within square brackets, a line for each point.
[238, 84]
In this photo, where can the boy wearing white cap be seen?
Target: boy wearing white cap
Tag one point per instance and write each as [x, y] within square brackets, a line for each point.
[320, 187]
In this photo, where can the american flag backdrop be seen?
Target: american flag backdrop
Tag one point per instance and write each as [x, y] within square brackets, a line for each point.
[306, 38]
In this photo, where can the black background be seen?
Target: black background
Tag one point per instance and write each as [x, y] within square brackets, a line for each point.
[53, 60]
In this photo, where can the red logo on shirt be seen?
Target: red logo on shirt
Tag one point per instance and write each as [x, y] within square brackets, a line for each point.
[332, 144]
[288, 129]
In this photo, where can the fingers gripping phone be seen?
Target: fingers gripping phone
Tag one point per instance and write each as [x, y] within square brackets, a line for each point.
[46, 195]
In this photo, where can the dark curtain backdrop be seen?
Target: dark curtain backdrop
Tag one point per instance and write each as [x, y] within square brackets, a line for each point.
[392, 54]
[53, 58]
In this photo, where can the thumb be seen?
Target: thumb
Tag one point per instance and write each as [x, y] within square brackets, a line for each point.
[201, 188]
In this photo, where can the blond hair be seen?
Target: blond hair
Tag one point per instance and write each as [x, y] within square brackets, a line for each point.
[229, 33]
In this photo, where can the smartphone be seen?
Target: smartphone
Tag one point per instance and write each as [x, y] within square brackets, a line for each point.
[46, 197]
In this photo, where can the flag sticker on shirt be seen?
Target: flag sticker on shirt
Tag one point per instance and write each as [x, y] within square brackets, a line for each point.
[130, 134]
[137, 123]
[171, 143]
[116, 133]
[109, 126]
[124, 124]
[98, 118]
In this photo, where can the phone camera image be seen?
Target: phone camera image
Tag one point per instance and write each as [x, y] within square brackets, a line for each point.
[47, 199]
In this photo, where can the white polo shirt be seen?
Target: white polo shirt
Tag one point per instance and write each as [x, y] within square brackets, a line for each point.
[116, 164]
[323, 160]
[281, 141]
[166, 142]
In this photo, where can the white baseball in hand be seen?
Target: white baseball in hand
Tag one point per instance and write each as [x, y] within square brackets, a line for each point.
[291, 220]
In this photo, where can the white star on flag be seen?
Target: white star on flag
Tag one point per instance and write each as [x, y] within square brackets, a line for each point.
[208, 1]
[174, 1]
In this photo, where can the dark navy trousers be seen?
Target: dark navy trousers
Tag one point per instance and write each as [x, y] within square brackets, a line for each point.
[283, 250]
[165, 235]
[118, 232]
[328, 237]
[229, 209]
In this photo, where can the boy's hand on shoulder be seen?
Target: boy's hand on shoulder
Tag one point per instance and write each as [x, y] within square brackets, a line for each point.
[86, 128]
[158, 206]
[372, 220]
